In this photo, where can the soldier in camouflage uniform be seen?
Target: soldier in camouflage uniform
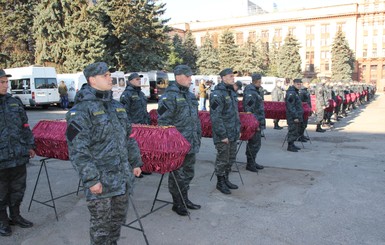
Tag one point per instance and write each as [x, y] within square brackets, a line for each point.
[179, 107]
[135, 103]
[253, 103]
[277, 94]
[16, 147]
[321, 104]
[226, 128]
[102, 152]
[304, 95]
[294, 114]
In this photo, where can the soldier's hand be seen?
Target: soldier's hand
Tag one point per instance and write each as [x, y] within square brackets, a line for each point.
[32, 153]
[137, 171]
[226, 141]
[296, 120]
[96, 189]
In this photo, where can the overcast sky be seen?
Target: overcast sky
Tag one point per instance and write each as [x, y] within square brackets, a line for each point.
[192, 10]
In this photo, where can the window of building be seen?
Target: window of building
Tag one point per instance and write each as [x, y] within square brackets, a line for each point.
[341, 26]
[214, 37]
[239, 38]
[373, 72]
[309, 57]
[292, 31]
[365, 53]
[252, 36]
[383, 72]
[309, 30]
[325, 28]
[375, 32]
[277, 32]
[327, 66]
[203, 39]
[374, 50]
[309, 42]
[265, 35]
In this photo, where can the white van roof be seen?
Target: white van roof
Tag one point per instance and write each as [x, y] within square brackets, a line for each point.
[31, 71]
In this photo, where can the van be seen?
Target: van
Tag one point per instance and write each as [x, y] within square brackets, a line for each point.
[268, 84]
[211, 80]
[144, 83]
[34, 85]
[118, 84]
[158, 83]
[74, 82]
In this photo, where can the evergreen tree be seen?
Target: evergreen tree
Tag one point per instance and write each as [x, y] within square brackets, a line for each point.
[17, 42]
[141, 33]
[175, 55]
[263, 60]
[190, 52]
[208, 62]
[50, 34]
[342, 58]
[248, 59]
[273, 60]
[85, 41]
[228, 50]
[289, 59]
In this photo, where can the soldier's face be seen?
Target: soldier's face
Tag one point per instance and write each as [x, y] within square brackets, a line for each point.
[183, 80]
[135, 82]
[3, 85]
[297, 85]
[101, 82]
[228, 79]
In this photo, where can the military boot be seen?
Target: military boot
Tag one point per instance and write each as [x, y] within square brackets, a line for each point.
[16, 218]
[229, 184]
[5, 229]
[221, 185]
[189, 204]
[276, 126]
[178, 206]
[251, 168]
[291, 147]
[258, 166]
[319, 129]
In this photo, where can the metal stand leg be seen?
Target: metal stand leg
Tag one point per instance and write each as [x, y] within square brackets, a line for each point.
[284, 141]
[137, 220]
[43, 163]
[307, 135]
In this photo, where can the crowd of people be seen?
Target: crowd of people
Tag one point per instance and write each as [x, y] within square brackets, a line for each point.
[107, 159]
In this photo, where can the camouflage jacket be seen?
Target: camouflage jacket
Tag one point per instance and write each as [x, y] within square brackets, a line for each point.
[253, 102]
[294, 109]
[135, 103]
[178, 107]
[304, 95]
[99, 143]
[321, 97]
[16, 137]
[224, 113]
[277, 94]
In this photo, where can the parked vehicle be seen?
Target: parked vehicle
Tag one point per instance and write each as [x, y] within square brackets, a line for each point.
[144, 83]
[118, 84]
[211, 80]
[158, 83]
[74, 82]
[34, 85]
[268, 84]
[245, 81]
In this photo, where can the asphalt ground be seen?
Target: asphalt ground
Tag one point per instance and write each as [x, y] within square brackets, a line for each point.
[331, 192]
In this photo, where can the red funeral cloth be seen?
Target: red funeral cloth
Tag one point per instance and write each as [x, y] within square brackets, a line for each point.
[50, 139]
[313, 102]
[162, 149]
[348, 99]
[154, 117]
[332, 105]
[275, 109]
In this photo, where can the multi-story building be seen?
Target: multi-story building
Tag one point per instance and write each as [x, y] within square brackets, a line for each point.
[363, 24]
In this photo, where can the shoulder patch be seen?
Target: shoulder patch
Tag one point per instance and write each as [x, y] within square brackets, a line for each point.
[14, 105]
[96, 113]
[120, 110]
[73, 130]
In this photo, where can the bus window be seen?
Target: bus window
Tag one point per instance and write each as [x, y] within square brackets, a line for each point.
[114, 81]
[41, 83]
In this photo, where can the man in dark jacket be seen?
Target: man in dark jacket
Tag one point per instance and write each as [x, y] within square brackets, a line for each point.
[102, 152]
[294, 114]
[134, 100]
[16, 147]
[179, 107]
[253, 103]
[226, 128]
[277, 94]
[135, 103]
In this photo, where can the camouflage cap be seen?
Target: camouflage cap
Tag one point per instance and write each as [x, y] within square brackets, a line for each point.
[256, 76]
[3, 74]
[133, 76]
[98, 68]
[297, 80]
[227, 71]
[183, 70]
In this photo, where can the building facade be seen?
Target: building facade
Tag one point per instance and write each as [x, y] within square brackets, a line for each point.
[315, 28]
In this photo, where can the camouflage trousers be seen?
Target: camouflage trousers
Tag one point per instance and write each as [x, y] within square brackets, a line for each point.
[252, 148]
[226, 156]
[107, 217]
[294, 131]
[12, 186]
[320, 115]
[183, 175]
